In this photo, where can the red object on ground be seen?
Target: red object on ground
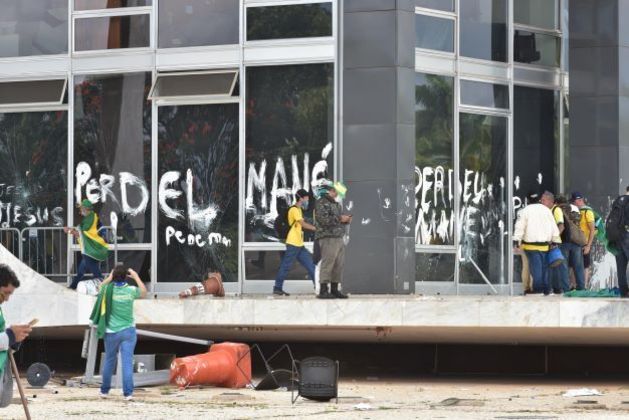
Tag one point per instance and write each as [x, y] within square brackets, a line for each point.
[218, 367]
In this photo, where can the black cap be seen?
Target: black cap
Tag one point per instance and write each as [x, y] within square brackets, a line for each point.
[301, 193]
[575, 196]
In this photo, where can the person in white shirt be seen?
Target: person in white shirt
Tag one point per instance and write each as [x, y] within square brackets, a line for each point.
[534, 232]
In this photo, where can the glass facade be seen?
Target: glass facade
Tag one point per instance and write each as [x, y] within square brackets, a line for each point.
[189, 122]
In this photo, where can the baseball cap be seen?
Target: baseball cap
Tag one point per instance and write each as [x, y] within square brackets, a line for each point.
[87, 204]
[576, 196]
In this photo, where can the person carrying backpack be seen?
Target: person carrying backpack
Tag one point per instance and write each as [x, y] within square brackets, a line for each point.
[289, 226]
[572, 238]
[617, 227]
[588, 226]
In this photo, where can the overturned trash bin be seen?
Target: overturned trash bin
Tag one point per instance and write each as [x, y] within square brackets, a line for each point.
[226, 365]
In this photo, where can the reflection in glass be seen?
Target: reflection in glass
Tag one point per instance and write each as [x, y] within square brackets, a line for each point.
[534, 48]
[484, 29]
[112, 136]
[434, 159]
[103, 33]
[434, 267]
[190, 23]
[109, 4]
[434, 33]
[263, 265]
[33, 27]
[445, 5]
[535, 141]
[198, 159]
[290, 121]
[538, 13]
[33, 169]
[484, 94]
[290, 21]
[484, 201]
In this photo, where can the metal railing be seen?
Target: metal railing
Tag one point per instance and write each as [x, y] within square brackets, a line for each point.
[46, 250]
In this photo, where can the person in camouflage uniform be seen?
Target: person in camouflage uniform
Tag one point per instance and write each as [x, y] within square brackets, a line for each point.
[330, 224]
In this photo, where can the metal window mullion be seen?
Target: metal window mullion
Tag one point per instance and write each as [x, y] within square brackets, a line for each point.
[536, 30]
[457, 160]
[70, 175]
[510, 211]
[241, 148]
[435, 13]
[154, 189]
[120, 11]
[263, 3]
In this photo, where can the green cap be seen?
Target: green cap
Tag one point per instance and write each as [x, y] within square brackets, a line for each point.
[340, 188]
[87, 204]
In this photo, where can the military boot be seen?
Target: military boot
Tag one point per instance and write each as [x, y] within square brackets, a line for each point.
[324, 293]
[336, 292]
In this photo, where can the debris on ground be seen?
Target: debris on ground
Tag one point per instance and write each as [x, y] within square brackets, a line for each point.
[362, 406]
[581, 392]
[448, 402]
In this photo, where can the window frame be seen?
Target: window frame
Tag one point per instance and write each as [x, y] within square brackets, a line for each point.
[203, 98]
[32, 106]
[452, 16]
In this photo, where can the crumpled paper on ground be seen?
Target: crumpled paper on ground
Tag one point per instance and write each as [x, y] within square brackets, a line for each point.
[581, 392]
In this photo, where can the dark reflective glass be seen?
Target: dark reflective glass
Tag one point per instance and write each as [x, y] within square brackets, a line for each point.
[534, 48]
[36, 91]
[483, 25]
[289, 136]
[484, 200]
[263, 265]
[109, 4]
[434, 267]
[103, 33]
[33, 169]
[198, 187]
[189, 23]
[434, 33]
[535, 141]
[33, 27]
[194, 84]
[445, 5]
[112, 151]
[539, 13]
[484, 94]
[291, 21]
[434, 159]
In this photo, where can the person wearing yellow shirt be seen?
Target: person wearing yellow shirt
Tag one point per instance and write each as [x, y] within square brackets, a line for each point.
[589, 229]
[295, 249]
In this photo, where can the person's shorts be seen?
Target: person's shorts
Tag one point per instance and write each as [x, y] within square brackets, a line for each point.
[586, 260]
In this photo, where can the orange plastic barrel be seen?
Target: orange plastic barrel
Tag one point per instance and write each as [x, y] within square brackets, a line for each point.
[219, 367]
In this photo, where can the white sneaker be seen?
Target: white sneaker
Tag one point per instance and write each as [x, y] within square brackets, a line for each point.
[128, 398]
[103, 396]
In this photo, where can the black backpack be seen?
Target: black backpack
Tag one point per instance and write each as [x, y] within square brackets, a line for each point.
[615, 223]
[280, 224]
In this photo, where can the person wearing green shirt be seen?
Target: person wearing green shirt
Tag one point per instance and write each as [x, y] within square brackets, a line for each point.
[10, 338]
[113, 312]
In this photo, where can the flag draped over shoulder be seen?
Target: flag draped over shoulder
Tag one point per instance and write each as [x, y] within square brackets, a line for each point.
[92, 244]
[102, 309]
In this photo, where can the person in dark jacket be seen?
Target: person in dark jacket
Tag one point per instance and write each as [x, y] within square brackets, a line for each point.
[330, 225]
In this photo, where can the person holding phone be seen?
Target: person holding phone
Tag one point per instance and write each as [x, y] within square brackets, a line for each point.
[10, 338]
[113, 313]
[331, 227]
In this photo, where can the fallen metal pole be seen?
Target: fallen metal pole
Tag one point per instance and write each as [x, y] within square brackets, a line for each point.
[164, 336]
[16, 374]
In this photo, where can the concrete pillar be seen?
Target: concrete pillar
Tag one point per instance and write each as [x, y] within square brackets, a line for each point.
[378, 146]
[599, 99]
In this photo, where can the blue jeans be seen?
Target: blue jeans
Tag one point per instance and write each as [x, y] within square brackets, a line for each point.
[560, 277]
[123, 341]
[86, 264]
[621, 264]
[573, 254]
[538, 266]
[299, 253]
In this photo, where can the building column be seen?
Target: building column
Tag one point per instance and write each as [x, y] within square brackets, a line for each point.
[378, 145]
[599, 100]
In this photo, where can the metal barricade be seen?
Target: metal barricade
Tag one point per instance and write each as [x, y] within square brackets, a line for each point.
[10, 239]
[45, 250]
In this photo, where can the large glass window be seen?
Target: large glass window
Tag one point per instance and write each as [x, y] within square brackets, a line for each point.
[190, 23]
[535, 141]
[484, 29]
[33, 169]
[434, 33]
[434, 159]
[112, 32]
[538, 13]
[445, 5]
[291, 21]
[431, 267]
[33, 27]
[263, 265]
[198, 199]
[536, 48]
[289, 137]
[484, 201]
[487, 95]
[112, 151]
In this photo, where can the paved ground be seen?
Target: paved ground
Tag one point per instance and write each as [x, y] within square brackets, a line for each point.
[371, 398]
